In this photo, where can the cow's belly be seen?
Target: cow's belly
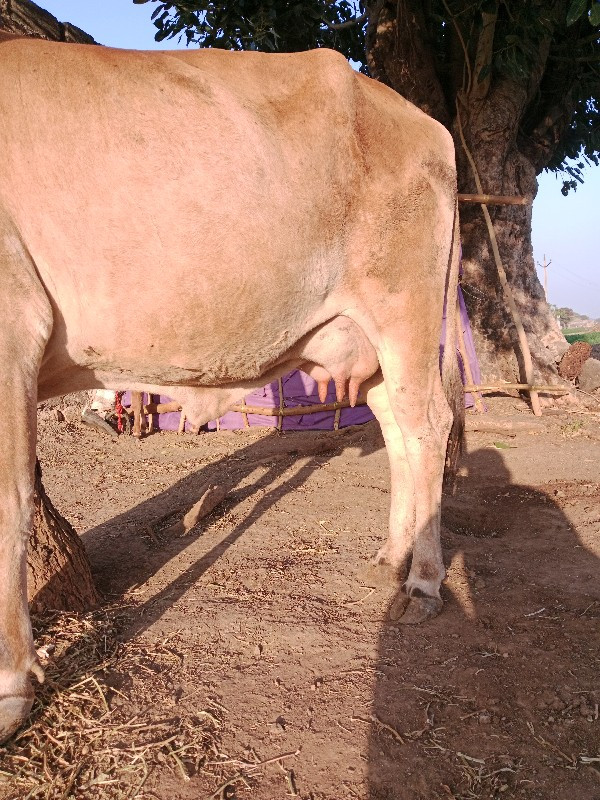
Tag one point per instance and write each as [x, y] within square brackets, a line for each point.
[208, 331]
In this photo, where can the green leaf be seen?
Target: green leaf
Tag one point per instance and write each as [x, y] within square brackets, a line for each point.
[139, 2]
[504, 446]
[576, 9]
[594, 17]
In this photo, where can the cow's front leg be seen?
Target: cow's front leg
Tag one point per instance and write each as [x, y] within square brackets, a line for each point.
[25, 326]
[18, 659]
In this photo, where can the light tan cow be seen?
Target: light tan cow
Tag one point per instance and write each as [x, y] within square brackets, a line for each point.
[134, 185]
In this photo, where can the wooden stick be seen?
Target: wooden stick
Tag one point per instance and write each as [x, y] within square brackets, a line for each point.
[136, 405]
[294, 412]
[524, 387]
[508, 293]
[157, 408]
[493, 199]
[336, 419]
[281, 404]
[181, 428]
[244, 414]
[485, 424]
[150, 423]
[465, 359]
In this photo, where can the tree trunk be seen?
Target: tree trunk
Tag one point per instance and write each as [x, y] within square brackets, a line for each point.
[400, 55]
[58, 571]
[493, 328]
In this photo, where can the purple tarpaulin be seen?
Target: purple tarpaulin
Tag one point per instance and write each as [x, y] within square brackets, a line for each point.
[300, 390]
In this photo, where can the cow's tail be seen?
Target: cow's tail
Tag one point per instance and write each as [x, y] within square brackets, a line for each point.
[451, 378]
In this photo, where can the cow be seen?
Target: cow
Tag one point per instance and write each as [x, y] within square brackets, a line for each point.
[251, 214]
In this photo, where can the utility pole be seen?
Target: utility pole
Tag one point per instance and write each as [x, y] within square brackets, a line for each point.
[545, 266]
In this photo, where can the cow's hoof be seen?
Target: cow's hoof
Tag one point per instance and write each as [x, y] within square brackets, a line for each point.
[13, 713]
[398, 606]
[420, 609]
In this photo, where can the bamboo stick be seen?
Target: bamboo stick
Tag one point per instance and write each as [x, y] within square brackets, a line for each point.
[137, 407]
[523, 387]
[150, 421]
[294, 412]
[281, 404]
[493, 199]
[336, 419]
[508, 293]
[157, 408]
[164, 408]
[244, 414]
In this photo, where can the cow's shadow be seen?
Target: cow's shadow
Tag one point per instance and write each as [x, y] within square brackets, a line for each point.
[458, 702]
[132, 558]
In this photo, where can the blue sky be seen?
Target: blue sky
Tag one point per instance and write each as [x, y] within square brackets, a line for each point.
[565, 229]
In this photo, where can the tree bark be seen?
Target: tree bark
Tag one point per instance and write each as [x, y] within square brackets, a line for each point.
[58, 570]
[400, 55]
[503, 170]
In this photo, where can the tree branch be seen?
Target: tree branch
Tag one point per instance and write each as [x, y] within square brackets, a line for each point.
[483, 57]
[340, 26]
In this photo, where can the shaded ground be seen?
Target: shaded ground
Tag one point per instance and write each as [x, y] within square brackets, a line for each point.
[266, 631]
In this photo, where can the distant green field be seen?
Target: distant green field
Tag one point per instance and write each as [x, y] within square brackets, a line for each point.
[593, 337]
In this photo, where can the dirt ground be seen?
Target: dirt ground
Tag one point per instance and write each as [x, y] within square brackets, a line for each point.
[267, 631]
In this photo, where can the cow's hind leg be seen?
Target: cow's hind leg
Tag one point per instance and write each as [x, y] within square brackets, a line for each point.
[422, 413]
[396, 551]
[24, 330]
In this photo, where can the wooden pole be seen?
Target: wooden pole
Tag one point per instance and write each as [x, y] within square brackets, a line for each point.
[336, 419]
[545, 266]
[493, 199]
[521, 387]
[150, 422]
[281, 404]
[294, 412]
[136, 405]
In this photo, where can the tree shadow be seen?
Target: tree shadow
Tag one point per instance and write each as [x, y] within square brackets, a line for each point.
[494, 695]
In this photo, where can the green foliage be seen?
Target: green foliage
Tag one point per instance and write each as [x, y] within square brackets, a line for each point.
[552, 45]
[267, 25]
[593, 337]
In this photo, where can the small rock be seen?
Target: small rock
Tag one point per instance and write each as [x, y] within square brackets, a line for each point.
[565, 695]
[589, 377]
[278, 727]
[479, 583]
[485, 718]
[60, 417]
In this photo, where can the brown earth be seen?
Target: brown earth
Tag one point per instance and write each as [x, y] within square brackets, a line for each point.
[265, 633]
